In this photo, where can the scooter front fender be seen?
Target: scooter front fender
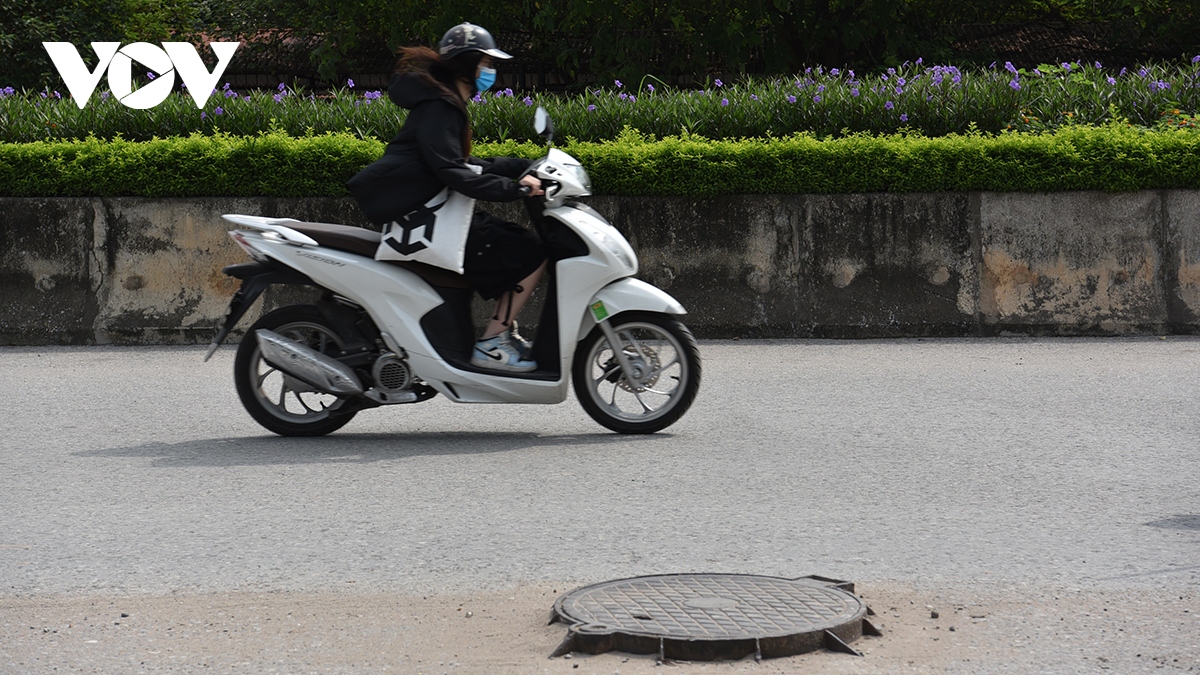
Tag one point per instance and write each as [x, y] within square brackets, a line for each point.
[626, 295]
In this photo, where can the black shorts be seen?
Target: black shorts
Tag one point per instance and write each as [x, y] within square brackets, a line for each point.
[499, 255]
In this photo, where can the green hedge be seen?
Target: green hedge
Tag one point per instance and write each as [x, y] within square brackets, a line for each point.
[1112, 158]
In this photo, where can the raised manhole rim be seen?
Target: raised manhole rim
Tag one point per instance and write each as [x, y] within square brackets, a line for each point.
[595, 638]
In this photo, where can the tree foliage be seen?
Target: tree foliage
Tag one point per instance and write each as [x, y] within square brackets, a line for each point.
[690, 38]
[677, 40]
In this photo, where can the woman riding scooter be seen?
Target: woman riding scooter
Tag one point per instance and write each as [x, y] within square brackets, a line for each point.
[502, 260]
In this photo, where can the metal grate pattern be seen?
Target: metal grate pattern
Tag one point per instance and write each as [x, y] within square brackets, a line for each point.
[710, 607]
[393, 376]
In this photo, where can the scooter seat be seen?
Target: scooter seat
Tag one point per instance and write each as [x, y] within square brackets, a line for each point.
[364, 242]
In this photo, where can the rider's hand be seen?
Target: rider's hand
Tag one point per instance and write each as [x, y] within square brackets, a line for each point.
[534, 185]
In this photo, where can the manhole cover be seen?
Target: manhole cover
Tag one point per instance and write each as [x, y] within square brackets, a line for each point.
[706, 617]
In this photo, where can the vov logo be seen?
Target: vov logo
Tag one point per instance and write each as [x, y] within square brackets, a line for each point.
[118, 61]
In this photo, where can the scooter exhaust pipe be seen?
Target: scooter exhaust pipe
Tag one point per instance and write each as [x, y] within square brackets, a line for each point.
[308, 365]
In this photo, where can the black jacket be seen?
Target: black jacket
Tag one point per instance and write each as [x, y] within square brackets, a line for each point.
[426, 156]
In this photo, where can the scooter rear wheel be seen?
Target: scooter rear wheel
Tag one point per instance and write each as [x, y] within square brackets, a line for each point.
[280, 403]
[666, 362]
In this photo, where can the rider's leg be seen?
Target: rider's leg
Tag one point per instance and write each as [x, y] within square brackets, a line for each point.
[505, 312]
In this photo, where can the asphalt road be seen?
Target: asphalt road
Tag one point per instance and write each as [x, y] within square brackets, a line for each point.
[969, 464]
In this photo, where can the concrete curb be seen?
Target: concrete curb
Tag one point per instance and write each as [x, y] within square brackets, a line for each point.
[147, 271]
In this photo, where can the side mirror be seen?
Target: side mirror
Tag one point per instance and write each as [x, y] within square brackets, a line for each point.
[542, 124]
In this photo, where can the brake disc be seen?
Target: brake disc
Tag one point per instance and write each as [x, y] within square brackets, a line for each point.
[650, 363]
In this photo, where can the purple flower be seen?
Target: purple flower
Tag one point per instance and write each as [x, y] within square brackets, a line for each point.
[891, 71]
[852, 72]
[719, 83]
[219, 111]
[821, 89]
[149, 74]
[246, 99]
[591, 108]
[854, 92]
[203, 115]
[357, 103]
[724, 102]
[993, 66]
[283, 86]
[57, 95]
[279, 98]
[1196, 59]
[1066, 66]
[7, 91]
[834, 72]
[527, 101]
[816, 99]
[919, 62]
[229, 93]
[889, 105]
[1098, 66]
[623, 96]
[1015, 85]
[350, 83]
[633, 99]
[1160, 86]
[903, 117]
[1143, 73]
[753, 97]
[226, 87]
[791, 99]
[618, 83]
[1111, 81]
[885, 78]
[899, 91]
[650, 87]
[1010, 67]
[900, 81]
[43, 94]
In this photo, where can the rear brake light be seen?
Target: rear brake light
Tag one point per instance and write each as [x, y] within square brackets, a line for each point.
[246, 246]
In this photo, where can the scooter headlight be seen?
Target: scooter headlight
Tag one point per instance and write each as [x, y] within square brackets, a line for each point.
[581, 177]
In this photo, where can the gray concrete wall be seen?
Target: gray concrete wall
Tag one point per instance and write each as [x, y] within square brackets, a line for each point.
[132, 270]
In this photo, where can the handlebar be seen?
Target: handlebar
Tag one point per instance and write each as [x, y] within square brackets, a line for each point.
[547, 186]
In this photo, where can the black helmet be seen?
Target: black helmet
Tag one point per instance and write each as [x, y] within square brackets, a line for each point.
[467, 37]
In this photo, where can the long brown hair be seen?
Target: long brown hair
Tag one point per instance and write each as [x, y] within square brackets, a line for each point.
[427, 65]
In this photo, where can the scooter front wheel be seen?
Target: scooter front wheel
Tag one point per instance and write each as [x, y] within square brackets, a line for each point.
[665, 361]
[277, 401]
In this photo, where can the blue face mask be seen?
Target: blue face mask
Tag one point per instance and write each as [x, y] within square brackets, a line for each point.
[487, 77]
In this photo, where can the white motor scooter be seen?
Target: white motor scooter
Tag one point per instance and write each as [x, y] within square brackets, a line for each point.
[388, 333]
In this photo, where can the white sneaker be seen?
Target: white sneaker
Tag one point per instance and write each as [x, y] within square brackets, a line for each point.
[497, 353]
[524, 347]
